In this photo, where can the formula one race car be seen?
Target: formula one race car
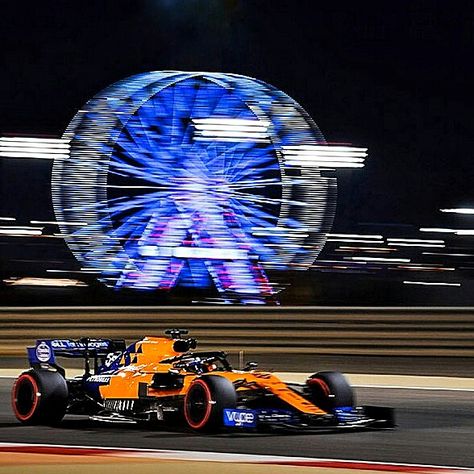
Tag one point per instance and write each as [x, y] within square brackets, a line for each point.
[162, 379]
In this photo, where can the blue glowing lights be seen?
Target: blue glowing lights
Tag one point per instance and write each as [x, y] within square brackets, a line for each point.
[199, 179]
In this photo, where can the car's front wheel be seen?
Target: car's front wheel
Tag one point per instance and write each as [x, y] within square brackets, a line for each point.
[205, 401]
[330, 390]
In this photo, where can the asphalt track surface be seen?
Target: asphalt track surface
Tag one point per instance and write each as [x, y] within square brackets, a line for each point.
[434, 427]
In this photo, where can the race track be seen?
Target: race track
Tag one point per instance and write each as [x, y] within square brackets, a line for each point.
[435, 427]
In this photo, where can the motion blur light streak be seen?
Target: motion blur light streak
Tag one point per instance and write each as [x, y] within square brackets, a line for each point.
[196, 179]
[33, 281]
[450, 254]
[16, 231]
[58, 223]
[37, 148]
[380, 259]
[405, 244]
[430, 283]
[356, 241]
[356, 236]
[438, 229]
[424, 268]
[461, 210]
[325, 156]
[417, 240]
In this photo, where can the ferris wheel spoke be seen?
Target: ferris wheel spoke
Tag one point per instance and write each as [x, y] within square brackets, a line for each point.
[131, 140]
[208, 99]
[147, 200]
[264, 163]
[144, 128]
[265, 200]
[130, 170]
[255, 183]
[260, 217]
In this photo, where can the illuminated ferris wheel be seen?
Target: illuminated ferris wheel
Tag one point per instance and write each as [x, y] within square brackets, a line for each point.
[179, 178]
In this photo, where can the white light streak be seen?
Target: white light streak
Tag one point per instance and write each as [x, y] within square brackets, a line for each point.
[449, 254]
[354, 241]
[43, 156]
[230, 122]
[448, 231]
[438, 229]
[7, 219]
[229, 129]
[356, 236]
[421, 241]
[343, 248]
[194, 252]
[29, 150]
[420, 267]
[29, 147]
[459, 210]
[324, 156]
[19, 232]
[404, 244]
[430, 283]
[36, 141]
[60, 222]
[379, 259]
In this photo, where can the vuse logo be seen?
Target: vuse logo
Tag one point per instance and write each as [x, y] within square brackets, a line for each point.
[243, 418]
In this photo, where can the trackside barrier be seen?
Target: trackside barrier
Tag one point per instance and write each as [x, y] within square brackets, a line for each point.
[440, 332]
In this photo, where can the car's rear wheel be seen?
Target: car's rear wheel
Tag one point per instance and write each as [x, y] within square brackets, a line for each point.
[330, 390]
[205, 401]
[40, 397]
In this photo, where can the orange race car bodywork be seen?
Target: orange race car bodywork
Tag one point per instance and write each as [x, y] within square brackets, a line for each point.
[163, 379]
[126, 382]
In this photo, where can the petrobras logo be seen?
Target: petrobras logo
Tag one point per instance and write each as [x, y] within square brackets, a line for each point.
[43, 352]
[240, 418]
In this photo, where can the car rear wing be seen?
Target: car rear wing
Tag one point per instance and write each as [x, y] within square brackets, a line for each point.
[46, 350]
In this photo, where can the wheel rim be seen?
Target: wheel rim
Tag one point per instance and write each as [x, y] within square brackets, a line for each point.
[198, 405]
[25, 397]
[320, 393]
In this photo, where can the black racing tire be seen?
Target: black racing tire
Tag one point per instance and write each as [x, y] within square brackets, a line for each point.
[330, 390]
[205, 401]
[39, 397]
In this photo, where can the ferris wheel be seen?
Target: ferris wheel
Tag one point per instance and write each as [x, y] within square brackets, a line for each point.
[180, 178]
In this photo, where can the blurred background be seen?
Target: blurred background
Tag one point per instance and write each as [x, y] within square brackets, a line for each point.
[393, 77]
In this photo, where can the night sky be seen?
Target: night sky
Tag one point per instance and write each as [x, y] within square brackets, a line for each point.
[396, 77]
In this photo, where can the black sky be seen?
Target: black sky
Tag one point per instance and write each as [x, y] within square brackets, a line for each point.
[396, 77]
[393, 76]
